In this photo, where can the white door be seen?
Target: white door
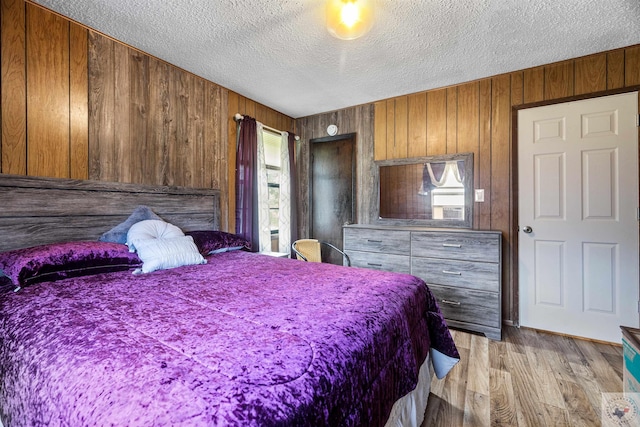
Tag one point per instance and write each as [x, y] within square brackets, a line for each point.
[578, 226]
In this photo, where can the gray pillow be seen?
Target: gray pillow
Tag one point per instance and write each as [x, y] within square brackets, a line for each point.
[118, 234]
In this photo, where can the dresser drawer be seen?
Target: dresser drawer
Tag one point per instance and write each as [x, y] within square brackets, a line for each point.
[465, 305]
[382, 241]
[378, 261]
[451, 245]
[464, 274]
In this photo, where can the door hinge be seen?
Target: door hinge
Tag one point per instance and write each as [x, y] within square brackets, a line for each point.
[638, 120]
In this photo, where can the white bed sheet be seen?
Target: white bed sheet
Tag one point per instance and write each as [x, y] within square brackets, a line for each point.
[408, 411]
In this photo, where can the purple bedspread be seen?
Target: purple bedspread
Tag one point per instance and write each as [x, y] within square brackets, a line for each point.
[245, 340]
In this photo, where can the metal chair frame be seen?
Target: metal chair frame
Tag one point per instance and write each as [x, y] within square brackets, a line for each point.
[300, 255]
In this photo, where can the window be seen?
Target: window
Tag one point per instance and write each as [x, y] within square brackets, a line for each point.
[273, 164]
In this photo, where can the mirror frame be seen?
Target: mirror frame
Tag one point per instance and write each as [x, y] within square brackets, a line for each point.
[435, 223]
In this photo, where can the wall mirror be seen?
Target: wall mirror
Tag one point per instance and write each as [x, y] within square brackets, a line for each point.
[434, 191]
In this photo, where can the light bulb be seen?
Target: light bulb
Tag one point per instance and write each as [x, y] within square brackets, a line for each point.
[350, 14]
[349, 19]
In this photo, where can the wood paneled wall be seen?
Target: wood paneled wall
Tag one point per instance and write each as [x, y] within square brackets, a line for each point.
[474, 117]
[44, 93]
[77, 104]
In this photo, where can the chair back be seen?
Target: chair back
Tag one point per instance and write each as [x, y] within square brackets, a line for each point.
[309, 249]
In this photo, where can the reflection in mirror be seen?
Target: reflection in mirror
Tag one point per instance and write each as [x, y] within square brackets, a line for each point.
[435, 190]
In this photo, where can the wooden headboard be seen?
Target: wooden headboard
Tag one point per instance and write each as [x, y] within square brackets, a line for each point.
[36, 211]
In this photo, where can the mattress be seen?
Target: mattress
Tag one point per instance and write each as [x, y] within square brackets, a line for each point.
[243, 340]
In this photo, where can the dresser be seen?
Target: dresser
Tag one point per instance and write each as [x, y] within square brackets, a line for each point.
[462, 267]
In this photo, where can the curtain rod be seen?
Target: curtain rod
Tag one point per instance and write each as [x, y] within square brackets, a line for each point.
[237, 117]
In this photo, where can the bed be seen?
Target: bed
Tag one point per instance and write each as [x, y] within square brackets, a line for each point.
[243, 339]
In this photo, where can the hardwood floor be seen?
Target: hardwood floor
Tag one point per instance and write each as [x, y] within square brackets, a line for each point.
[530, 378]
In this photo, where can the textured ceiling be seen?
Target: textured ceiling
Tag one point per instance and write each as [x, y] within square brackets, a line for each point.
[278, 52]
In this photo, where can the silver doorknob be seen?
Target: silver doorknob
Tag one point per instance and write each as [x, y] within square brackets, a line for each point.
[527, 229]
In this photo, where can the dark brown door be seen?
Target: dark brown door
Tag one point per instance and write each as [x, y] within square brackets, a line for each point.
[332, 190]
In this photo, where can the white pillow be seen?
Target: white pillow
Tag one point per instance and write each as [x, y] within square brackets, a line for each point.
[151, 229]
[161, 254]
[161, 245]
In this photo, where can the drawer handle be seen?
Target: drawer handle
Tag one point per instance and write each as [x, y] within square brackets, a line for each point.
[374, 241]
[374, 265]
[451, 245]
[445, 301]
[453, 273]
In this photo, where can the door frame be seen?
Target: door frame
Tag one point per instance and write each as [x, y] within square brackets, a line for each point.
[515, 241]
[351, 136]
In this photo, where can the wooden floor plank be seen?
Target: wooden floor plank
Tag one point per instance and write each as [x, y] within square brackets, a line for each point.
[477, 409]
[503, 404]
[543, 378]
[498, 355]
[615, 361]
[478, 363]
[525, 389]
[580, 411]
[605, 375]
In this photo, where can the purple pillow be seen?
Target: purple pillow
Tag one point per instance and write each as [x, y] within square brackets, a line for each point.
[212, 242]
[69, 259]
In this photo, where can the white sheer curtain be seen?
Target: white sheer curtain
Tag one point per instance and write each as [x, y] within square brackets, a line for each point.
[450, 170]
[284, 219]
[264, 232]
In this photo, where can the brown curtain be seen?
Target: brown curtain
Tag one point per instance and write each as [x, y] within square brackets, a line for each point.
[246, 194]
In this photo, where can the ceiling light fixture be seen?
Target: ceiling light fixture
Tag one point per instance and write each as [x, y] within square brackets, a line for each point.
[349, 19]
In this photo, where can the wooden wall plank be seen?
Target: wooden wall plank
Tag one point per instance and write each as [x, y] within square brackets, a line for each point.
[47, 94]
[380, 130]
[13, 81]
[223, 166]
[261, 113]
[159, 122]
[120, 163]
[101, 104]
[437, 122]
[78, 102]
[558, 80]
[483, 209]
[214, 149]
[501, 183]
[180, 102]
[400, 149]
[250, 108]
[517, 88]
[142, 152]
[452, 120]
[233, 103]
[199, 149]
[533, 84]
[615, 69]
[591, 74]
[417, 126]
[468, 129]
[391, 128]
[632, 66]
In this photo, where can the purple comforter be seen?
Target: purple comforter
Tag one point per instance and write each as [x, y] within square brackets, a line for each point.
[245, 340]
